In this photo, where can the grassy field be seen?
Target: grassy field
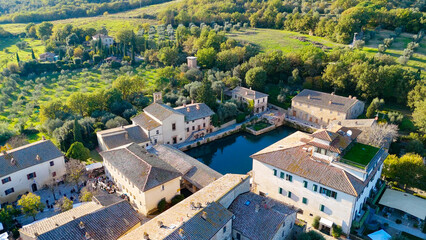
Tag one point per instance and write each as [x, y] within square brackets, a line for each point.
[8, 50]
[271, 39]
[113, 22]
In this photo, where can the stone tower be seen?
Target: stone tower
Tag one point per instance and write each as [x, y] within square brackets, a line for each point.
[158, 97]
[192, 62]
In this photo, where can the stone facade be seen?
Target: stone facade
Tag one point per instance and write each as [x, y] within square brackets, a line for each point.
[255, 99]
[323, 108]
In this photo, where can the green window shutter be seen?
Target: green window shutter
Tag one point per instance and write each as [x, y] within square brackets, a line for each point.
[291, 178]
[282, 175]
[305, 184]
[305, 200]
[280, 190]
[315, 187]
[275, 172]
[322, 208]
[289, 194]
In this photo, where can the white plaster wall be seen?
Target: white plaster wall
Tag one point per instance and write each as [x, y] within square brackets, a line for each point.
[221, 235]
[145, 201]
[195, 124]
[180, 131]
[22, 184]
[153, 135]
[337, 210]
[362, 198]
[228, 198]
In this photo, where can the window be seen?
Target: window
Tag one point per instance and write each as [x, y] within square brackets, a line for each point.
[193, 128]
[282, 175]
[275, 172]
[224, 229]
[305, 200]
[288, 177]
[52, 163]
[158, 131]
[305, 184]
[328, 192]
[204, 125]
[6, 180]
[289, 194]
[322, 208]
[315, 187]
[187, 129]
[54, 174]
[31, 175]
[162, 187]
[174, 126]
[238, 236]
[9, 191]
[280, 190]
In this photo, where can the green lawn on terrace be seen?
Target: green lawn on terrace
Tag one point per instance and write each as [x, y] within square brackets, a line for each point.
[360, 155]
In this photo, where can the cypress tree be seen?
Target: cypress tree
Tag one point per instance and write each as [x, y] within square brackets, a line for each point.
[17, 57]
[32, 54]
[77, 132]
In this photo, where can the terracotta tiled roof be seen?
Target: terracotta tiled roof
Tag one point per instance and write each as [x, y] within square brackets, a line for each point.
[143, 169]
[146, 122]
[26, 156]
[198, 228]
[195, 113]
[160, 111]
[248, 93]
[260, 225]
[325, 100]
[48, 224]
[120, 136]
[324, 135]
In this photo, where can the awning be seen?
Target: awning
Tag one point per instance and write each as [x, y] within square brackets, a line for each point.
[379, 235]
[94, 166]
[326, 222]
[405, 202]
[4, 236]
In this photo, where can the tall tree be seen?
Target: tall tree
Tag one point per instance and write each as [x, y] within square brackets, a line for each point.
[77, 131]
[17, 58]
[78, 151]
[75, 172]
[256, 78]
[206, 95]
[30, 205]
[32, 54]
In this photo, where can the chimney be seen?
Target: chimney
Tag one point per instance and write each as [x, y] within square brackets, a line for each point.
[81, 225]
[199, 205]
[184, 104]
[87, 235]
[181, 233]
[256, 208]
[332, 93]
[13, 161]
[197, 107]
[188, 109]
[204, 215]
[354, 97]
[329, 102]
[350, 96]
[246, 92]
[38, 157]
[192, 204]
[250, 88]
[309, 96]
[160, 224]
[192, 101]
[145, 236]
[126, 135]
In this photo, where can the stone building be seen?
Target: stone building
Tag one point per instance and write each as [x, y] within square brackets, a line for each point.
[255, 99]
[29, 168]
[119, 136]
[142, 176]
[106, 40]
[326, 174]
[322, 108]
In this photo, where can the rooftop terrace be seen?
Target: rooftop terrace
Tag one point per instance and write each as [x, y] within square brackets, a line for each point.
[359, 155]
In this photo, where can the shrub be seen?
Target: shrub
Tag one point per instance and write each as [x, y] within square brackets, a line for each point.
[176, 199]
[398, 221]
[315, 223]
[418, 195]
[77, 61]
[336, 231]
[162, 204]
[240, 118]
[398, 189]
[311, 235]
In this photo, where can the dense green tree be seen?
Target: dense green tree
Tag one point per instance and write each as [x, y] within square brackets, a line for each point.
[30, 205]
[206, 57]
[127, 85]
[256, 78]
[206, 95]
[77, 102]
[409, 170]
[168, 56]
[78, 151]
[44, 30]
[77, 131]
[419, 115]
